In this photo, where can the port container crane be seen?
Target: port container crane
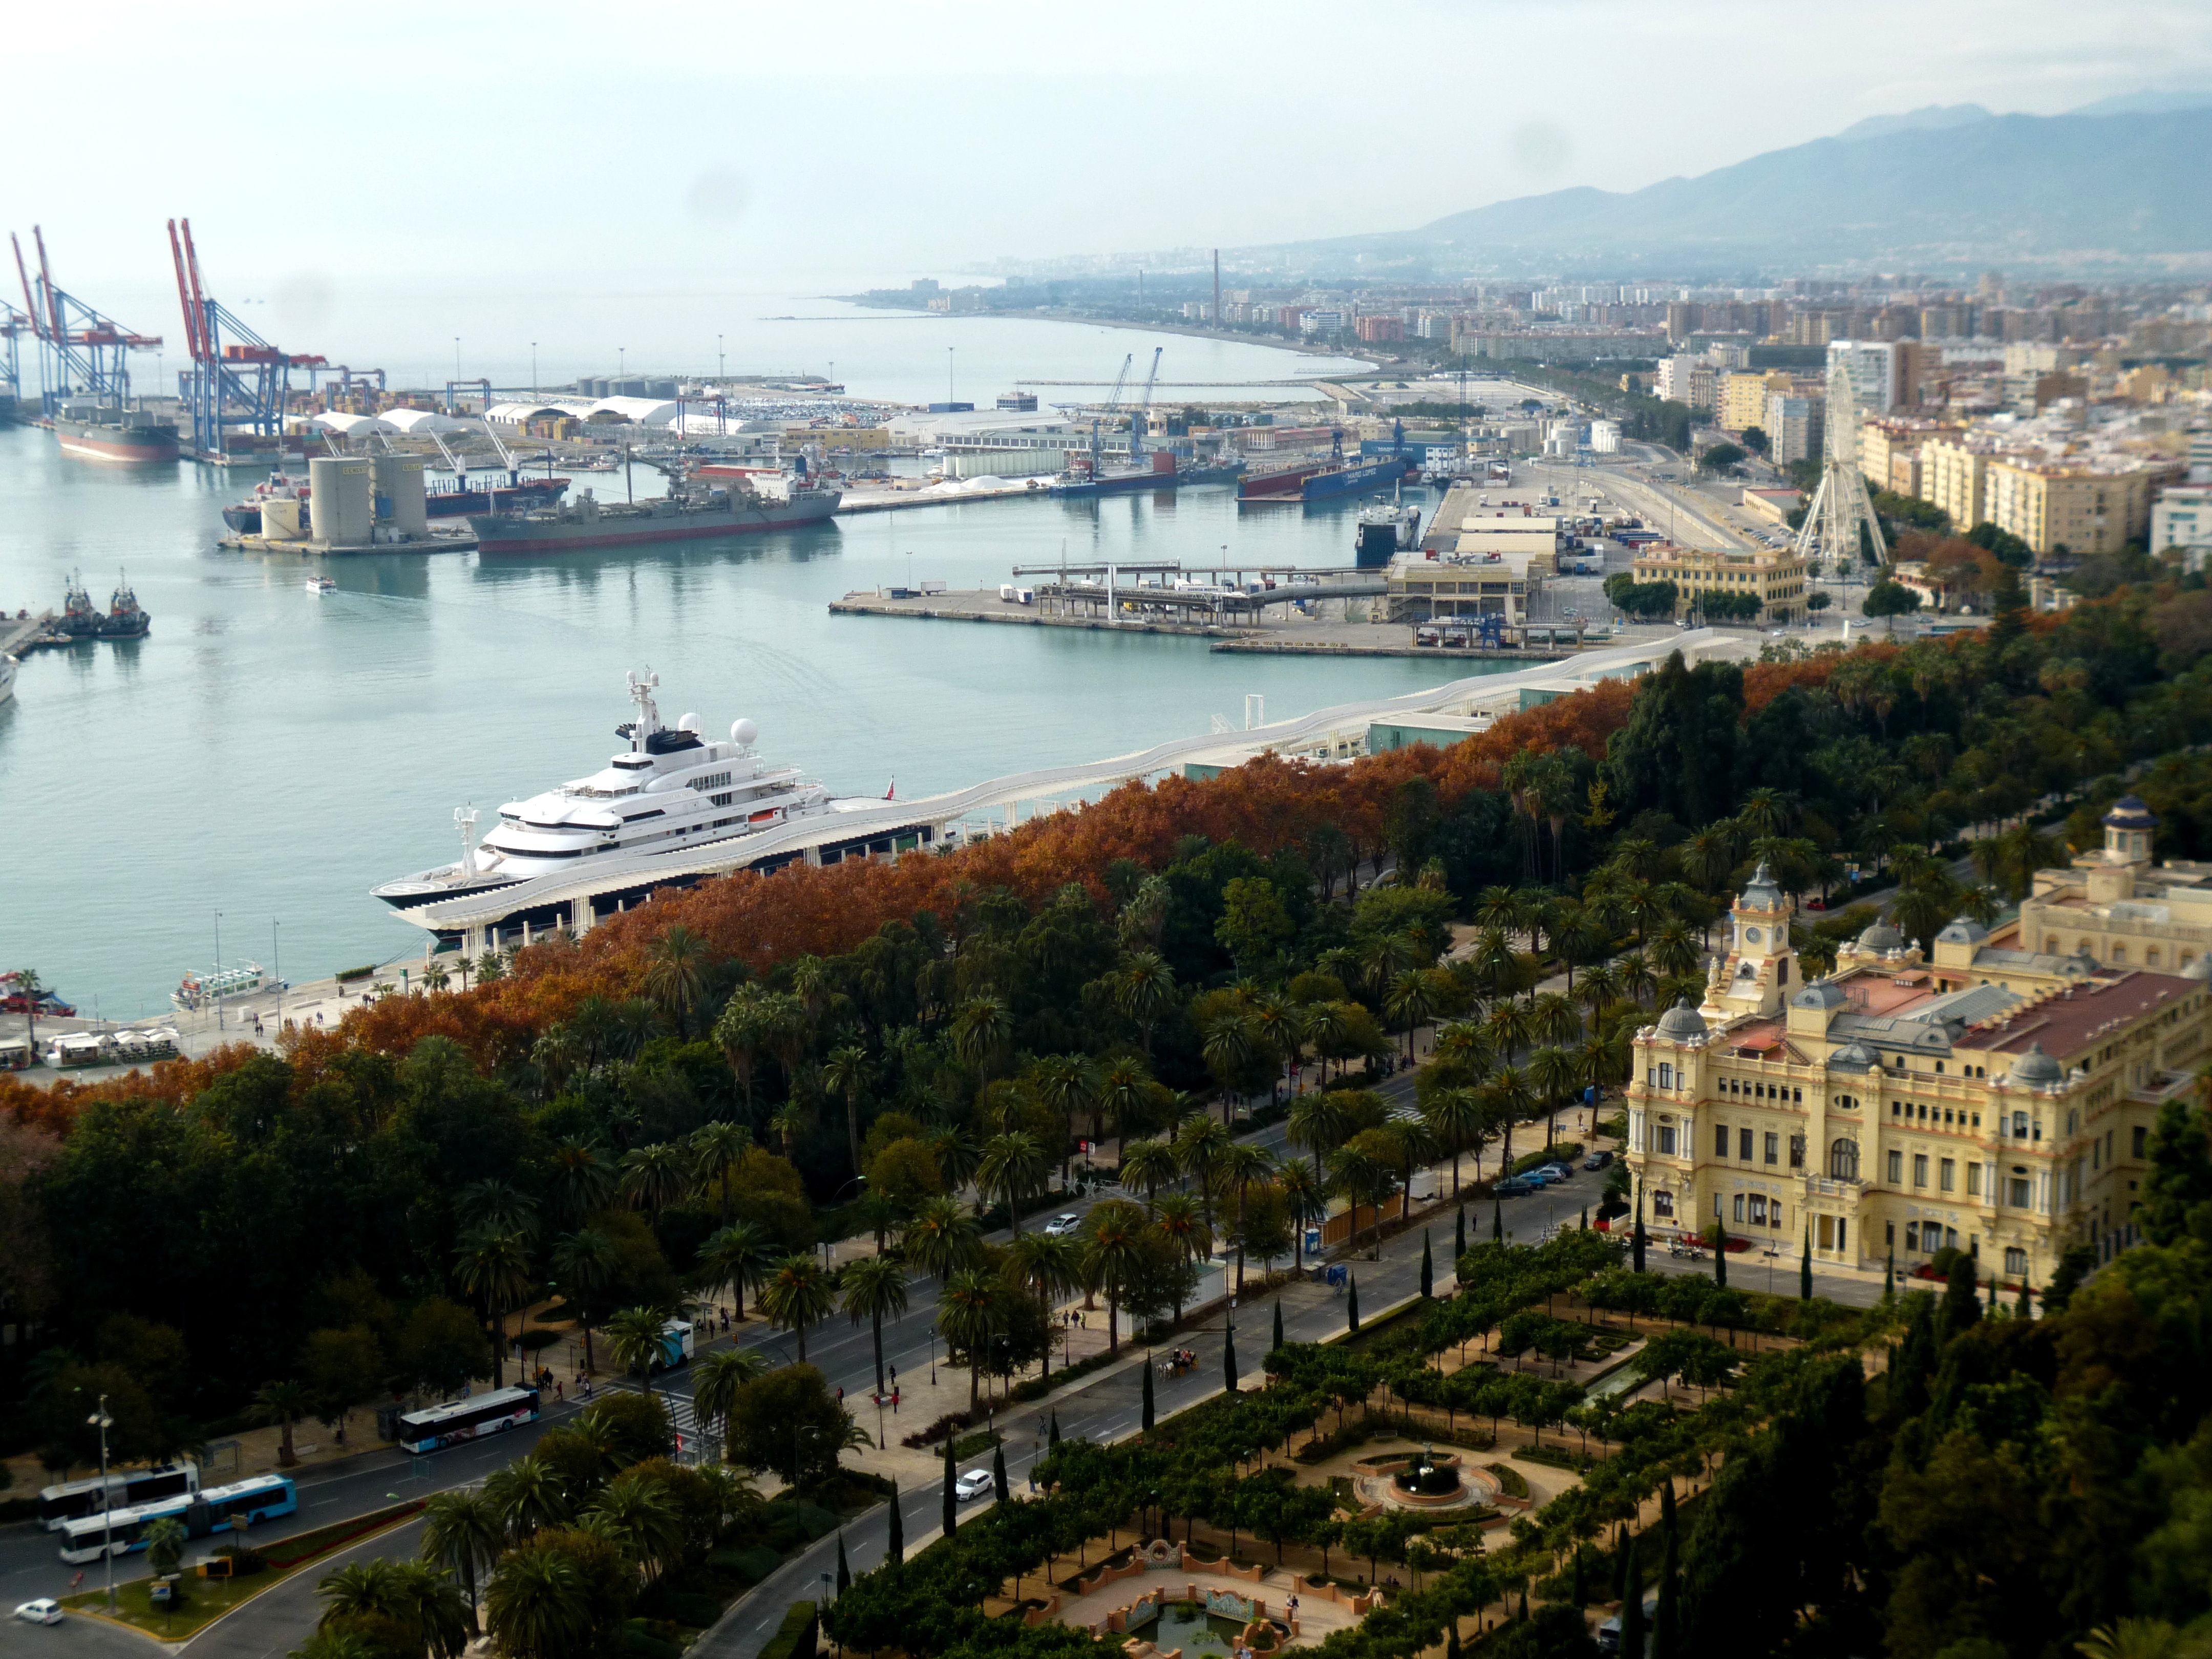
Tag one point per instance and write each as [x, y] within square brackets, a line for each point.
[243, 382]
[82, 352]
[13, 326]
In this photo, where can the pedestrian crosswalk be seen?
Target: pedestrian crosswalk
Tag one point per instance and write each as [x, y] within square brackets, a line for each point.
[694, 1444]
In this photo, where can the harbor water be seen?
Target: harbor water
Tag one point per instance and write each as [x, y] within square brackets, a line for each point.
[269, 754]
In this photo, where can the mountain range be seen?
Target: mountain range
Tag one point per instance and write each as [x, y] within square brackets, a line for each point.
[2119, 187]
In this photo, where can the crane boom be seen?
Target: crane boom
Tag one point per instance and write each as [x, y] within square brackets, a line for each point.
[31, 306]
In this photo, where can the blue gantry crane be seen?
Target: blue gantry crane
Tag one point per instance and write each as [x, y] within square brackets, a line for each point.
[242, 383]
[82, 352]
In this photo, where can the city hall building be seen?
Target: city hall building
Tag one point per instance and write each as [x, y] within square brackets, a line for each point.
[1995, 1099]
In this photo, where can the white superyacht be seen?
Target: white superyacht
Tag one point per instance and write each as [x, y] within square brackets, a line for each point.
[670, 792]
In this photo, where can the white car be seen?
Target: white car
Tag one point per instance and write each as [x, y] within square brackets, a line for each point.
[44, 1610]
[971, 1485]
[1062, 1226]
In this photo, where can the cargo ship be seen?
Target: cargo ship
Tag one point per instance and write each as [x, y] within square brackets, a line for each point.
[133, 439]
[693, 511]
[1318, 480]
[451, 501]
[1164, 473]
[1385, 531]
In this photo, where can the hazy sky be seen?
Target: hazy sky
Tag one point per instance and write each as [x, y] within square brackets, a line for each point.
[341, 162]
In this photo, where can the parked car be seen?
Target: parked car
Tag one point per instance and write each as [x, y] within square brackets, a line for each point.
[1816, 903]
[1514, 1186]
[1062, 1226]
[972, 1485]
[1597, 1160]
[1559, 1171]
[44, 1610]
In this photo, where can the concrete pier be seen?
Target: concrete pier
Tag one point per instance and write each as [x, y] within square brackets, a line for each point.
[434, 542]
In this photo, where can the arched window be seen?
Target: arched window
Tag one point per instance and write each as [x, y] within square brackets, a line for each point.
[2050, 946]
[1843, 1160]
[2150, 955]
[2119, 953]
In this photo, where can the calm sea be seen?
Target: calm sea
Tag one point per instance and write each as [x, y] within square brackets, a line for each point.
[269, 755]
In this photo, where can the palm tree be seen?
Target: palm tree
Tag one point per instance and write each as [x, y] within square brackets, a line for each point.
[743, 1030]
[1179, 1220]
[1013, 1169]
[1324, 1028]
[675, 976]
[495, 1205]
[463, 1533]
[654, 1177]
[942, 1239]
[493, 1268]
[797, 1294]
[1552, 1073]
[956, 1155]
[1417, 1149]
[585, 1264]
[1113, 1257]
[1048, 1265]
[2142, 1638]
[641, 1522]
[1245, 1166]
[1509, 1097]
[1456, 1116]
[1067, 1085]
[1361, 1178]
[284, 1403]
[734, 1256]
[1601, 985]
[967, 1313]
[1144, 990]
[1306, 1197]
[1318, 1122]
[1200, 1146]
[1122, 1091]
[1146, 1163]
[636, 1339]
[1671, 950]
[981, 1032]
[1383, 959]
[527, 1495]
[1413, 999]
[31, 987]
[716, 1380]
[1506, 1025]
[537, 1606]
[582, 1182]
[875, 1286]
[716, 1149]
[846, 1072]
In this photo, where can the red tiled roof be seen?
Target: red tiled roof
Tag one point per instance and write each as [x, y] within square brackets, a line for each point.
[2072, 1022]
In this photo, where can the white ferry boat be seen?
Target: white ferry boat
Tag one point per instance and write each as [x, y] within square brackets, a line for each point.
[203, 990]
[672, 791]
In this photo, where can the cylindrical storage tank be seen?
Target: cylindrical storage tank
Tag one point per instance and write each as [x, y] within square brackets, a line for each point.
[340, 499]
[281, 519]
[399, 492]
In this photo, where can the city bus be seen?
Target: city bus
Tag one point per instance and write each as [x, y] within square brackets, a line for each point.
[125, 1489]
[466, 1419]
[121, 1532]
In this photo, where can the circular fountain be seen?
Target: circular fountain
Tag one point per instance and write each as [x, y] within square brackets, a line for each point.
[1428, 1480]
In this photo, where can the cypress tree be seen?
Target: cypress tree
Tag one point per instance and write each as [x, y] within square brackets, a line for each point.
[1352, 1306]
[1052, 1438]
[1278, 1326]
[1459, 1241]
[1497, 1221]
[1582, 1590]
[1720, 1262]
[1229, 1359]
[844, 1571]
[1144, 1422]
[895, 1545]
[1889, 1278]
[951, 1504]
[1428, 1268]
[998, 1487]
[1585, 1221]
[1632, 1603]
[1638, 1239]
[2025, 1308]
[1524, 1604]
[1620, 1561]
[1962, 1301]
[1805, 1267]
[1666, 1639]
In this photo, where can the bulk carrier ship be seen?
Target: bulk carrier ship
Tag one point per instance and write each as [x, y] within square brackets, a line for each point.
[694, 510]
[115, 434]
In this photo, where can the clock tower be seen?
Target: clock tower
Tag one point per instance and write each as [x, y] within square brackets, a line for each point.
[1756, 978]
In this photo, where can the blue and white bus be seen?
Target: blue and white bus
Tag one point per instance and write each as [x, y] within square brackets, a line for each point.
[122, 1532]
[125, 1489]
[467, 1419]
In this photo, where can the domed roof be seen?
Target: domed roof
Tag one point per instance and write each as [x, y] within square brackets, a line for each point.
[2035, 1069]
[2129, 813]
[1880, 938]
[1854, 1056]
[1764, 893]
[1820, 993]
[1963, 930]
[2201, 968]
[1682, 1022]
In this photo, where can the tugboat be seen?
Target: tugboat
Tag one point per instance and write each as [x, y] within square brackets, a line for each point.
[80, 617]
[124, 619]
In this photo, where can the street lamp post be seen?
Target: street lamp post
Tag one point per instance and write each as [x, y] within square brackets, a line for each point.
[100, 1421]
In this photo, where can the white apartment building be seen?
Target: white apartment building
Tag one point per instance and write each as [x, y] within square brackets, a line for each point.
[1873, 367]
[2182, 517]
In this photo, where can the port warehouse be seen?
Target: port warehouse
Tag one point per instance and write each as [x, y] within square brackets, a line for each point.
[573, 903]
